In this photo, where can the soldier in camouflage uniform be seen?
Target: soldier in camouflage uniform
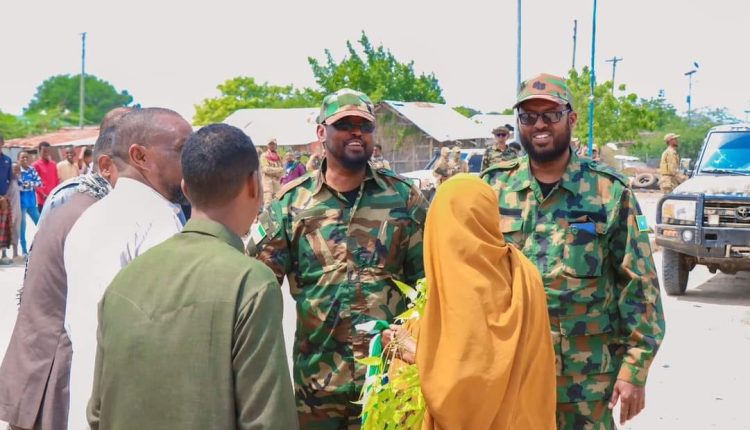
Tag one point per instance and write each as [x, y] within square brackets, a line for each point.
[443, 168]
[377, 160]
[669, 167]
[581, 225]
[342, 236]
[272, 169]
[499, 151]
[457, 164]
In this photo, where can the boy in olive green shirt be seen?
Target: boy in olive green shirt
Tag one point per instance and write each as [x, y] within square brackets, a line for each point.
[190, 333]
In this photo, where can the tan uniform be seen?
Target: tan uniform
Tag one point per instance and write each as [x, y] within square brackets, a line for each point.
[380, 163]
[459, 165]
[669, 169]
[443, 170]
[272, 173]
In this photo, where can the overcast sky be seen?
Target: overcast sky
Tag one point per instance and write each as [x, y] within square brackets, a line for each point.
[173, 54]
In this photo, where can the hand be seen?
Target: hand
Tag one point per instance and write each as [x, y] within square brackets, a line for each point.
[406, 346]
[633, 399]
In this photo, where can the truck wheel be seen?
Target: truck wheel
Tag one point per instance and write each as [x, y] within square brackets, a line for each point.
[676, 272]
[645, 180]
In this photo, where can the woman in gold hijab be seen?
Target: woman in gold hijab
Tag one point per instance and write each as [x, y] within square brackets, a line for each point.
[484, 349]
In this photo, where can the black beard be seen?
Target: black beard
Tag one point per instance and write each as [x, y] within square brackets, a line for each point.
[353, 163]
[560, 144]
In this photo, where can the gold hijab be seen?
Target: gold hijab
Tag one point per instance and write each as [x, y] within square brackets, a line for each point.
[484, 349]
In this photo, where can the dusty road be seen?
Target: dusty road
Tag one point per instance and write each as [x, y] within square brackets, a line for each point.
[699, 379]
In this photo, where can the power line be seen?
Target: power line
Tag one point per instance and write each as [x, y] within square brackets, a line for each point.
[614, 61]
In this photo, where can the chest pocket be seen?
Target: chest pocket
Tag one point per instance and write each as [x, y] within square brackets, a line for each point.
[583, 251]
[391, 244]
[512, 229]
[322, 242]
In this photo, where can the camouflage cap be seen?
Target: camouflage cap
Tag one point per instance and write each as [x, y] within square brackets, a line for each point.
[545, 87]
[670, 136]
[456, 149]
[501, 129]
[346, 102]
[445, 150]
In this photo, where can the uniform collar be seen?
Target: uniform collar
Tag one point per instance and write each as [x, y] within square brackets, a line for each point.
[370, 175]
[571, 179]
[215, 229]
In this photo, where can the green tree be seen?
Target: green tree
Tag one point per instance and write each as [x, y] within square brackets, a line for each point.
[243, 93]
[11, 126]
[615, 118]
[63, 92]
[378, 74]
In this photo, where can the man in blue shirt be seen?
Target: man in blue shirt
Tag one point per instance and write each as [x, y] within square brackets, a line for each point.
[28, 182]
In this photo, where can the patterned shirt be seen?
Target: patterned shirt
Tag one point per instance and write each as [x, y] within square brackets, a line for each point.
[596, 263]
[341, 259]
[28, 181]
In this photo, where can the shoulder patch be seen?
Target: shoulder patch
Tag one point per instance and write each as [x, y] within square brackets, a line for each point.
[503, 165]
[603, 168]
[293, 184]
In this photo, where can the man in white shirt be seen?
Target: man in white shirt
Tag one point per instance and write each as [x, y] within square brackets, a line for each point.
[139, 213]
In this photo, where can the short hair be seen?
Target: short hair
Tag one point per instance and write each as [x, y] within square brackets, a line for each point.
[379, 146]
[70, 148]
[216, 162]
[18, 157]
[87, 152]
[113, 116]
[44, 144]
[135, 127]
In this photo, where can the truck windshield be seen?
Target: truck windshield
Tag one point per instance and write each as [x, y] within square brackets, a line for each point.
[727, 152]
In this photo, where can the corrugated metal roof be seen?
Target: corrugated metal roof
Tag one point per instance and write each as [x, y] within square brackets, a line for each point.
[492, 120]
[290, 127]
[65, 136]
[439, 121]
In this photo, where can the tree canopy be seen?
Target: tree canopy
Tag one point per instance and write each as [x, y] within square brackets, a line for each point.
[378, 74]
[243, 92]
[62, 92]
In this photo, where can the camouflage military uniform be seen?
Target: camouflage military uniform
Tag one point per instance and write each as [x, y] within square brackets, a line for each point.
[340, 260]
[669, 169]
[599, 275]
[380, 163]
[443, 168]
[456, 164]
[271, 171]
[494, 155]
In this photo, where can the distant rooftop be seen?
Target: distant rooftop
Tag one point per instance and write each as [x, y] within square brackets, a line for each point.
[290, 127]
[63, 137]
[439, 121]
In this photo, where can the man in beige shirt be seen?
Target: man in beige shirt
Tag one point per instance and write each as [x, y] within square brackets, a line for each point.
[68, 168]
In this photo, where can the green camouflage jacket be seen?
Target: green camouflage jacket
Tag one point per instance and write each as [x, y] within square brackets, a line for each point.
[601, 283]
[493, 155]
[340, 260]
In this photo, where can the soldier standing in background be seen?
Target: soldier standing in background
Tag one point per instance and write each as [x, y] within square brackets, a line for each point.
[669, 167]
[499, 151]
[580, 224]
[377, 160]
[443, 167]
[457, 164]
[272, 169]
[341, 236]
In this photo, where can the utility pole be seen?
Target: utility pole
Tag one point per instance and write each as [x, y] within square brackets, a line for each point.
[593, 83]
[83, 77]
[518, 53]
[614, 60]
[690, 74]
[575, 38]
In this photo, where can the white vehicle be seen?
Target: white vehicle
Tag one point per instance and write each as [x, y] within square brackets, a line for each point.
[426, 181]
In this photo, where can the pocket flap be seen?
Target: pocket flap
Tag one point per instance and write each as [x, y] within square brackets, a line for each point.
[510, 224]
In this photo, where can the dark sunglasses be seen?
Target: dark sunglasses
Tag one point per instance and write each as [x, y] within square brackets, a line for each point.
[551, 117]
[501, 135]
[342, 125]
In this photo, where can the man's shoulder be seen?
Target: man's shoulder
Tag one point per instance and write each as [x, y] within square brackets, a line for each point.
[394, 179]
[601, 169]
[305, 181]
[503, 167]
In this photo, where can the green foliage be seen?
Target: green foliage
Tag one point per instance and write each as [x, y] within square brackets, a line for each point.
[394, 400]
[615, 118]
[11, 126]
[243, 92]
[34, 123]
[507, 111]
[62, 93]
[378, 74]
[466, 111]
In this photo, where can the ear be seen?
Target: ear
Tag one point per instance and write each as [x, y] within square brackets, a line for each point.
[321, 132]
[573, 118]
[137, 155]
[254, 186]
[105, 165]
[185, 191]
